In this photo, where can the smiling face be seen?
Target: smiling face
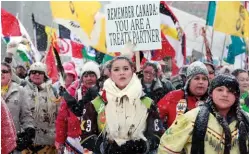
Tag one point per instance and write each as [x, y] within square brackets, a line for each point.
[37, 77]
[5, 75]
[121, 73]
[223, 98]
[89, 79]
[198, 85]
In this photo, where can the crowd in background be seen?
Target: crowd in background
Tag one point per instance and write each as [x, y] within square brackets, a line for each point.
[111, 109]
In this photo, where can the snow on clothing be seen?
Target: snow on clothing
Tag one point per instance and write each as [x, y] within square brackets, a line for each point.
[168, 105]
[244, 101]
[180, 101]
[8, 131]
[44, 108]
[179, 136]
[126, 120]
[157, 89]
[205, 130]
[17, 100]
[67, 123]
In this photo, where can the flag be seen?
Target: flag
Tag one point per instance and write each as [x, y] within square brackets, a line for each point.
[10, 25]
[51, 65]
[88, 52]
[228, 17]
[35, 54]
[23, 52]
[76, 16]
[43, 35]
[173, 39]
[235, 46]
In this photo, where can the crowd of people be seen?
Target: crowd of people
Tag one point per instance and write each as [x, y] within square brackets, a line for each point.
[112, 109]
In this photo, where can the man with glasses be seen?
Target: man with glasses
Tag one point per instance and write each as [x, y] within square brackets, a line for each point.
[44, 108]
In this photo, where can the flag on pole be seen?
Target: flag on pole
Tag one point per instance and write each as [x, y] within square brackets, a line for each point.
[10, 24]
[43, 35]
[228, 17]
[173, 39]
[235, 46]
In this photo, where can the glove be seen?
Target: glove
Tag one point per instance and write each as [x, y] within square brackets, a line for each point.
[62, 90]
[23, 141]
[138, 146]
[91, 93]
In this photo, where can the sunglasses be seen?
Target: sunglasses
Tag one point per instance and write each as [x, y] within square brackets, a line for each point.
[35, 72]
[5, 71]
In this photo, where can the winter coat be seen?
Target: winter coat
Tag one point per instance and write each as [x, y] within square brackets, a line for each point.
[8, 132]
[67, 123]
[17, 100]
[158, 89]
[178, 137]
[94, 122]
[44, 107]
[168, 104]
[244, 101]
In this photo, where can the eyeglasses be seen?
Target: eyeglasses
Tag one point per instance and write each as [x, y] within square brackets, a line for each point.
[5, 71]
[211, 72]
[39, 72]
[149, 73]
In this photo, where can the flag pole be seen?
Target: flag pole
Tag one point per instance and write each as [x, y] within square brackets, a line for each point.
[34, 29]
[222, 55]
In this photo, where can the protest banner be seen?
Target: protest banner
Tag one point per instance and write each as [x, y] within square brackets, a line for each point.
[134, 22]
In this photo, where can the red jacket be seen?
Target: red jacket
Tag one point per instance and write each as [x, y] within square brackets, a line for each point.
[167, 105]
[67, 124]
[8, 131]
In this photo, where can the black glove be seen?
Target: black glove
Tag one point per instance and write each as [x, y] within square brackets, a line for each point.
[62, 90]
[23, 141]
[8, 60]
[138, 146]
[91, 93]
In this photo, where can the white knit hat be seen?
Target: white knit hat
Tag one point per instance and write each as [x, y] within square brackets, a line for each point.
[91, 66]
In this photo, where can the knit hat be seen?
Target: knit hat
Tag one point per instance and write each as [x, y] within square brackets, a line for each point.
[69, 68]
[196, 68]
[225, 80]
[91, 66]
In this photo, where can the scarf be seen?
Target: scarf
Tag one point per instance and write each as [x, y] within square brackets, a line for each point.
[125, 114]
[4, 90]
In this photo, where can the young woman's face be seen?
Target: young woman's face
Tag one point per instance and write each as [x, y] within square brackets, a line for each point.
[243, 79]
[121, 73]
[69, 79]
[223, 98]
[5, 75]
[89, 79]
[198, 85]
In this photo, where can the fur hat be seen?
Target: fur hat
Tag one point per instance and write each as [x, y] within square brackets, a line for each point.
[91, 66]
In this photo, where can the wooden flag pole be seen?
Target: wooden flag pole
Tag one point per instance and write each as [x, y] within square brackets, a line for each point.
[137, 54]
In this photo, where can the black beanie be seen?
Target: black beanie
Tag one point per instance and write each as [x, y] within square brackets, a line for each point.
[225, 80]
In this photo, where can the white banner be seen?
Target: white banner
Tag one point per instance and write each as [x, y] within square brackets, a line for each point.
[134, 22]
